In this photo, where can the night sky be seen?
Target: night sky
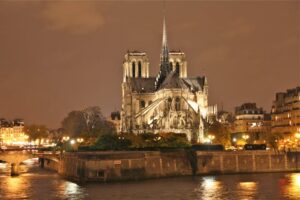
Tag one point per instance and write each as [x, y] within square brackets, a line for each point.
[61, 56]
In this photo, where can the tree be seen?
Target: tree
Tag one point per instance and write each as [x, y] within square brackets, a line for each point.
[173, 140]
[112, 142]
[36, 131]
[220, 132]
[88, 124]
[273, 139]
[74, 124]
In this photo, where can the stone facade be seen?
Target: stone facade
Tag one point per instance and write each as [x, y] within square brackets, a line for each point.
[169, 102]
[251, 123]
[134, 165]
[286, 112]
[12, 133]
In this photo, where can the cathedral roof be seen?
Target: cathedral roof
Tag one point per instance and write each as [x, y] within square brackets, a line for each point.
[173, 81]
[143, 85]
[195, 84]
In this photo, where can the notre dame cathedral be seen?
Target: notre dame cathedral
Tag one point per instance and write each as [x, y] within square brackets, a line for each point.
[168, 102]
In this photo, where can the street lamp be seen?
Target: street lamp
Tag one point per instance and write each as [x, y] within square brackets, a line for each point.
[80, 140]
[72, 142]
[65, 138]
[211, 137]
[245, 137]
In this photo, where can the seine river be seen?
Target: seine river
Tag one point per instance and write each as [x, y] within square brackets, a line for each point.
[42, 184]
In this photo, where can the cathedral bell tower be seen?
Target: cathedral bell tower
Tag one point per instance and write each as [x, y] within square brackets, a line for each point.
[135, 65]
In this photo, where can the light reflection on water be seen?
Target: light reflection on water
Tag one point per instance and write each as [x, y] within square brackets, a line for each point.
[292, 188]
[42, 184]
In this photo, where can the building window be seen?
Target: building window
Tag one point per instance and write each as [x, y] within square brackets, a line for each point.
[139, 69]
[133, 69]
[169, 103]
[171, 66]
[177, 68]
[177, 104]
[150, 102]
[142, 104]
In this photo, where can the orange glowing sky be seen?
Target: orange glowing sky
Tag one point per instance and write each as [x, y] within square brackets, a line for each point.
[61, 56]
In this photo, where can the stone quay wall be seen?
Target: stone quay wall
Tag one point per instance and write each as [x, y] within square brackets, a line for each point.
[135, 165]
[247, 162]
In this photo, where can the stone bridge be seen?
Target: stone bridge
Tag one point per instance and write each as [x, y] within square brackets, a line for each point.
[14, 158]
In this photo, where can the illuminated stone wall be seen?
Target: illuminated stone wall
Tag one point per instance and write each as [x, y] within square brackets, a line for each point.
[119, 166]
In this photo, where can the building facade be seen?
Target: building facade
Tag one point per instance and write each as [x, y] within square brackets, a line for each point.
[168, 102]
[251, 124]
[12, 133]
[286, 112]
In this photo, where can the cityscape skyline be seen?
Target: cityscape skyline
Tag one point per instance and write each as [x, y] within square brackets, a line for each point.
[68, 63]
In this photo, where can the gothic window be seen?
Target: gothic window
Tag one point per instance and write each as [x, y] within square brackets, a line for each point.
[139, 69]
[177, 67]
[171, 66]
[169, 103]
[133, 69]
[177, 104]
[142, 104]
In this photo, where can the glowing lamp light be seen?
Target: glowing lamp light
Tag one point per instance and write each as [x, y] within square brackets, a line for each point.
[297, 135]
[72, 142]
[245, 137]
[80, 140]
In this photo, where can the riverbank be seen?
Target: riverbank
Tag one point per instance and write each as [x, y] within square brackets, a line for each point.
[114, 166]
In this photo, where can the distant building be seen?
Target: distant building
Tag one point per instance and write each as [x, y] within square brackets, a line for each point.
[12, 132]
[251, 123]
[115, 119]
[286, 112]
[225, 117]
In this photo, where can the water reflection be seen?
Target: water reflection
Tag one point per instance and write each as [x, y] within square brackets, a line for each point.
[292, 188]
[42, 184]
[14, 188]
[72, 190]
[209, 188]
[247, 190]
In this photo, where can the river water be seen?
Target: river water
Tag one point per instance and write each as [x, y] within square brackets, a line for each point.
[42, 184]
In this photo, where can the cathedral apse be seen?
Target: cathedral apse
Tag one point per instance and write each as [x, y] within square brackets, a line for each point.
[170, 102]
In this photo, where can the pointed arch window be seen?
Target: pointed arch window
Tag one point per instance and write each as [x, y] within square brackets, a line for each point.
[169, 102]
[177, 103]
[171, 66]
[133, 69]
[177, 68]
[142, 104]
[139, 69]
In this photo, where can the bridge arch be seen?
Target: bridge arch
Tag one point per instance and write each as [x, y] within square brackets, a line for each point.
[16, 158]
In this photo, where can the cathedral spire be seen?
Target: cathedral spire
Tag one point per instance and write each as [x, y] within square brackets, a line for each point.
[164, 58]
[164, 61]
[164, 39]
